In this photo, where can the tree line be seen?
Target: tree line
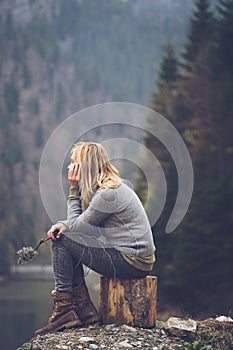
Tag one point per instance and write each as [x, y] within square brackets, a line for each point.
[194, 92]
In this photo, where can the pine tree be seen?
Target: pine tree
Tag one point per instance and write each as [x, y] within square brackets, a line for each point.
[168, 73]
[194, 102]
[223, 70]
[200, 32]
[167, 77]
[225, 34]
[162, 102]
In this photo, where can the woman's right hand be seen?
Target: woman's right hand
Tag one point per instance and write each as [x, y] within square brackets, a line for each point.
[59, 226]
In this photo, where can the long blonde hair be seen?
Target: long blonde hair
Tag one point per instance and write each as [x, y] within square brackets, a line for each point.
[96, 171]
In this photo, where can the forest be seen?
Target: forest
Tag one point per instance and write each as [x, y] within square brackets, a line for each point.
[57, 57]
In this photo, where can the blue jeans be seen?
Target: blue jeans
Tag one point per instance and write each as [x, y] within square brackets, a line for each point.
[68, 258]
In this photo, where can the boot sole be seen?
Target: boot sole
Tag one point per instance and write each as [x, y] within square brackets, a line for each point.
[69, 324]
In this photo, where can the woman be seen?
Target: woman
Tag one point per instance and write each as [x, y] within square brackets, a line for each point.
[106, 229]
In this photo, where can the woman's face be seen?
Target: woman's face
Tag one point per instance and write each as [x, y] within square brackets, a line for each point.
[75, 156]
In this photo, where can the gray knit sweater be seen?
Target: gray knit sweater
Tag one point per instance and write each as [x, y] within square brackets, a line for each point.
[115, 218]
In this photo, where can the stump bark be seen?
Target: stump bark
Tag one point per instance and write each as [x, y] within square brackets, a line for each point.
[131, 302]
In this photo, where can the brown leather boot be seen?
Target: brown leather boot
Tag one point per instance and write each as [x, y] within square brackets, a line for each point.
[83, 305]
[63, 316]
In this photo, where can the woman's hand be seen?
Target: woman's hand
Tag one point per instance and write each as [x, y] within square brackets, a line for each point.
[59, 226]
[73, 174]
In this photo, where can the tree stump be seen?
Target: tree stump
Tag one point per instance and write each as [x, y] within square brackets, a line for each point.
[131, 302]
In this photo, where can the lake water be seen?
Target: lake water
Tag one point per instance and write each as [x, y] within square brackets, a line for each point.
[25, 306]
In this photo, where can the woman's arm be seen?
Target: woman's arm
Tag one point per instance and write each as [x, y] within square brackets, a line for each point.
[62, 226]
[102, 205]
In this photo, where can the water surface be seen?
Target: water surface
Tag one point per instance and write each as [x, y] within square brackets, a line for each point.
[26, 304]
[24, 307]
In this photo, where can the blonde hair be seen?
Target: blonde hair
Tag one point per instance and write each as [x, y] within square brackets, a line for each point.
[96, 171]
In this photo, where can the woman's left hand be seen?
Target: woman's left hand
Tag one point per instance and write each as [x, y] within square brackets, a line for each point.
[73, 174]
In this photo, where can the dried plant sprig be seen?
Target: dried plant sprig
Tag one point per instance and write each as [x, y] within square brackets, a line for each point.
[26, 255]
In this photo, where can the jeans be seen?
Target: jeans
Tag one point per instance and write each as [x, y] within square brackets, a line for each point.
[68, 258]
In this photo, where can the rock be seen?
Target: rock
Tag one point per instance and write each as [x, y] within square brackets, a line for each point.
[128, 328]
[93, 346]
[224, 319]
[85, 339]
[181, 328]
[125, 344]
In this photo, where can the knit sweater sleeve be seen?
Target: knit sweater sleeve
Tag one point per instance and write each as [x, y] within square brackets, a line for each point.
[101, 206]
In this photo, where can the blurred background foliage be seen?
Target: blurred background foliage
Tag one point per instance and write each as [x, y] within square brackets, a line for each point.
[57, 57]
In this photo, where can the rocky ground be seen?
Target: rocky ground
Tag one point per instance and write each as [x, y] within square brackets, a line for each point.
[210, 335]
